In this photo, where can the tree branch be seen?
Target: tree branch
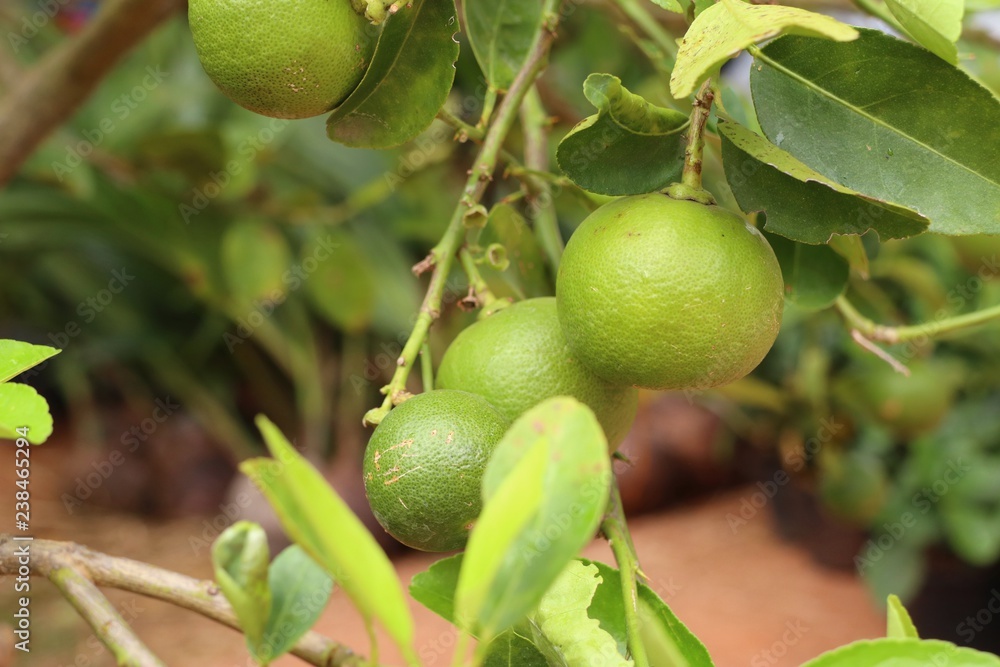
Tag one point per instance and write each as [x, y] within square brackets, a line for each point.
[77, 570]
[50, 91]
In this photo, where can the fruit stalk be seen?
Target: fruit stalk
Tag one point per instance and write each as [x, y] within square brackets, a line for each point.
[690, 185]
[481, 292]
[894, 335]
[616, 530]
[442, 256]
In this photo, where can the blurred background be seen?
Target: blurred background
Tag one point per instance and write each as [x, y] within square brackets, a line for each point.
[198, 264]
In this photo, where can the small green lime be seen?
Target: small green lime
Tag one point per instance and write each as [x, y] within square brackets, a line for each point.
[282, 58]
[518, 357]
[664, 293]
[424, 464]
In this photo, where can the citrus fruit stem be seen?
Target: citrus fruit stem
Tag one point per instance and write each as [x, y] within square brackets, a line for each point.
[616, 531]
[443, 254]
[426, 367]
[691, 176]
[894, 335]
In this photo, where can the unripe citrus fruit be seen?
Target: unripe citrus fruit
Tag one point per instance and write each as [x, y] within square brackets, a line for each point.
[669, 294]
[518, 357]
[424, 466]
[282, 58]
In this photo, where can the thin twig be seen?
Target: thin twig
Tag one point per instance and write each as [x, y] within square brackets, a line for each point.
[202, 597]
[615, 529]
[49, 92]
[926, 331]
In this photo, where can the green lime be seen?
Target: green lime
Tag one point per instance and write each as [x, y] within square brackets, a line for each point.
[518, 357]
[669, 294]
[282, 58]
[424, 465]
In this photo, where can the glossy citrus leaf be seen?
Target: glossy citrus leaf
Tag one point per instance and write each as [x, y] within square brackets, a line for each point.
[23, 407]
[435, 587]
[934, 24]
[501, 34]
[899, 625]
[814, 275]
[726, 28]
[17, 357]
[407, 82]
[300, 590]
[630, 147]
[255, 257]
[667, 639]
[802, 204]
[903, 653]
[877, 115]
[545, 490]
[319, 521]
[240, 557]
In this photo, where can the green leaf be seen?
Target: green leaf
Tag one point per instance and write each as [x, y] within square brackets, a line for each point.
[667, 639]
[545, 490]
[814, 275]
[408, 81]
[562, 618]
[899, 625]
[726, 28]
[17, 357]
[22, 407]
[341, 284]
[300, 590]
[501, 34]
[935, 24]
[630, 147]
[891, 652]
[800, 203]
[435, 587]
[240, 557]
[514, 648]
[878, 115]
[319, 521]
[255, 257]
[852, 248]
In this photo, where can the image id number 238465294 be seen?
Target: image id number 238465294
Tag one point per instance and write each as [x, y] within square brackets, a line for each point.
[22, 522]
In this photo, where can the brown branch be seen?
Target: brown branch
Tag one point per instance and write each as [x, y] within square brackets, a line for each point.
[203, 597]
[51, 90]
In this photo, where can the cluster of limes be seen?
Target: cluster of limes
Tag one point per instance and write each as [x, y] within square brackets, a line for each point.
[652, 292]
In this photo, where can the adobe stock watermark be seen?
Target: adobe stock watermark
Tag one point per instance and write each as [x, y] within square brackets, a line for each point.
[102, 470]
[751, 505]
[794, 631]
[923, 502]
[32, 23]
[121, 108]
[294, 278]
[91, 307]
[247, 151]
[976, 623]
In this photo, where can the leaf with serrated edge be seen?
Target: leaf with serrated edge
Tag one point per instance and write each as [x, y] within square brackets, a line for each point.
[630, 147]
[407, 82]
[878, 115]
[726, 28]
[802, 204]
[501, 34]
[898, 621]
[319, 521]
[891, 652]
[562, 617]
[936, 25]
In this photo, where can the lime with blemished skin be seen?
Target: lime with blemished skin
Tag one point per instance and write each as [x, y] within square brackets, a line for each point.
[283, 58]
[518, 357]
[664, 293]
[424, 465]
